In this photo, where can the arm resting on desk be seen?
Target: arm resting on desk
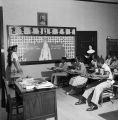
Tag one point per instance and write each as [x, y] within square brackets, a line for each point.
[105, 76]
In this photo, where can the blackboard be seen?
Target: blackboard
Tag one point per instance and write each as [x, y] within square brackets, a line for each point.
[42, 44]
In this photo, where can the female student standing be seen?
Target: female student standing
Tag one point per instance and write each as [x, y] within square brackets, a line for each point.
[13, 70]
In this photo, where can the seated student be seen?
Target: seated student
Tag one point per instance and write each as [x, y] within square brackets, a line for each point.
[93, 65]
[79, 80]
[114, 62]
[60, 71]
[97, 90]
[108, 60]
[94, 62]
[73, 63]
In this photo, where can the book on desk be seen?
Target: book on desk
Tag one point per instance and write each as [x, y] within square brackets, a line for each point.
[31, 83]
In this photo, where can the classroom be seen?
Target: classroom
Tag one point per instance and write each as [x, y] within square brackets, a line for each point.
[57, 55]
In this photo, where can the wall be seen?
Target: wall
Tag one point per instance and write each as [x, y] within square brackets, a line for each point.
[82, 15]
[1, 3]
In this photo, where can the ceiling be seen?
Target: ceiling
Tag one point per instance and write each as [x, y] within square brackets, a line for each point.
[102, 1]
[107, 0]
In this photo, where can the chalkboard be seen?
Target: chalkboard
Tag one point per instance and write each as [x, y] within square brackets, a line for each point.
[42, 44]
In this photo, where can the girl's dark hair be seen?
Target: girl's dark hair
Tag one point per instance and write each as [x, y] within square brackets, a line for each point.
[101, 61]
[9, 56]
[80, 59]
[14, 46]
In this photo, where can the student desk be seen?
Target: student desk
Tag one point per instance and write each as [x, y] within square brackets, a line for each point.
[37, 104]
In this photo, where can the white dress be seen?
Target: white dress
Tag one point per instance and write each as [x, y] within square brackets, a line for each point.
[80, 79]
[45, 52]
[11, 71]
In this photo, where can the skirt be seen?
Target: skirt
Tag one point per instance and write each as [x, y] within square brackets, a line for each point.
[77, 81]
[12, 74]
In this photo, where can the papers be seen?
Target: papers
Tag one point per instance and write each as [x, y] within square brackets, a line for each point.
[44, 85]
[31, 83]
[27, 81]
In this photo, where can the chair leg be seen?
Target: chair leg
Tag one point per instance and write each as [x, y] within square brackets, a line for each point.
[112, 99]
[8, 116]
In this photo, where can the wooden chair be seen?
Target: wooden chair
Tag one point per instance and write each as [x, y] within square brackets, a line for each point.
[115, 85]
[107, 93]
[115, 88]
[12, 106]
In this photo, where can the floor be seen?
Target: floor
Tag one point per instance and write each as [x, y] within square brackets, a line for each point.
[68, 111]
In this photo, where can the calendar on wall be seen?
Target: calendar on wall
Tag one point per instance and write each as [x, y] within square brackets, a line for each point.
[42, 44]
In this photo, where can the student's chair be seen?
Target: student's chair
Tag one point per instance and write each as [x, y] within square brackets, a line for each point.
[12, 105]
[107, 93]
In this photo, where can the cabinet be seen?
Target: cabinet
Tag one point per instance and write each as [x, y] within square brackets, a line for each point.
[112, 46]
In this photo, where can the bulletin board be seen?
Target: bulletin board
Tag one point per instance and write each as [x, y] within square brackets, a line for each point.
[42, 44]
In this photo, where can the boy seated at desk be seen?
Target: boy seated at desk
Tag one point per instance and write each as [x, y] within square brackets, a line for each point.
[98, 89]
[60, 71]
[93, 64]
[79, 80]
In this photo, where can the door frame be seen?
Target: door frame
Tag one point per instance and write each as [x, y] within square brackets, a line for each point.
[2, 60]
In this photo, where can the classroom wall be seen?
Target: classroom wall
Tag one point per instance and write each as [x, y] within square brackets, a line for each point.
[88, 16]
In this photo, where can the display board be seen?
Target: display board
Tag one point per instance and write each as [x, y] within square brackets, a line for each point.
[42, 44]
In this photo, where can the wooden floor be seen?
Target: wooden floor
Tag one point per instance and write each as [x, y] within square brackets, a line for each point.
[68, 111]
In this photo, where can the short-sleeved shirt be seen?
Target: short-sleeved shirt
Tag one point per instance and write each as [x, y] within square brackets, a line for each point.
[107, 69]
[83, 69]
[114, 63]
[14, 56]
[108, 61]
[64, 66]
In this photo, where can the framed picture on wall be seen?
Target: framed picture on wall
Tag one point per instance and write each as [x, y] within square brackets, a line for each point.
[42, 19]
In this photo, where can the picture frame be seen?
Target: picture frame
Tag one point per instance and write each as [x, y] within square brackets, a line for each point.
[42, 19]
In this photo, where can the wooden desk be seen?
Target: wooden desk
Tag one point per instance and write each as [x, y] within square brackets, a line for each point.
[37, 104]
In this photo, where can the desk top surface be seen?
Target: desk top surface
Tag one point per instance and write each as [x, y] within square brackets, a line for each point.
[39, 81]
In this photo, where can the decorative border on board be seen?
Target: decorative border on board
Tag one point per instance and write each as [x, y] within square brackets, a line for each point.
[41, 30]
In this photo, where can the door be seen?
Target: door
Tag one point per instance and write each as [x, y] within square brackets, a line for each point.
[83, 40]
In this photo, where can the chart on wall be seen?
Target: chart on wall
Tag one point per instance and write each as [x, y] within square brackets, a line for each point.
[42, 43]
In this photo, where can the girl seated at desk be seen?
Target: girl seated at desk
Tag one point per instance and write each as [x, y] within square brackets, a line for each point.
[60, 71]
[80, 80]
[114, 62]
[108, 60]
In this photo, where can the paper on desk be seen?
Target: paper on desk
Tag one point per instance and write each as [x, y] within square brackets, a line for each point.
[30, 84]
[29, 87]
[27, 81]
[44, 85]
